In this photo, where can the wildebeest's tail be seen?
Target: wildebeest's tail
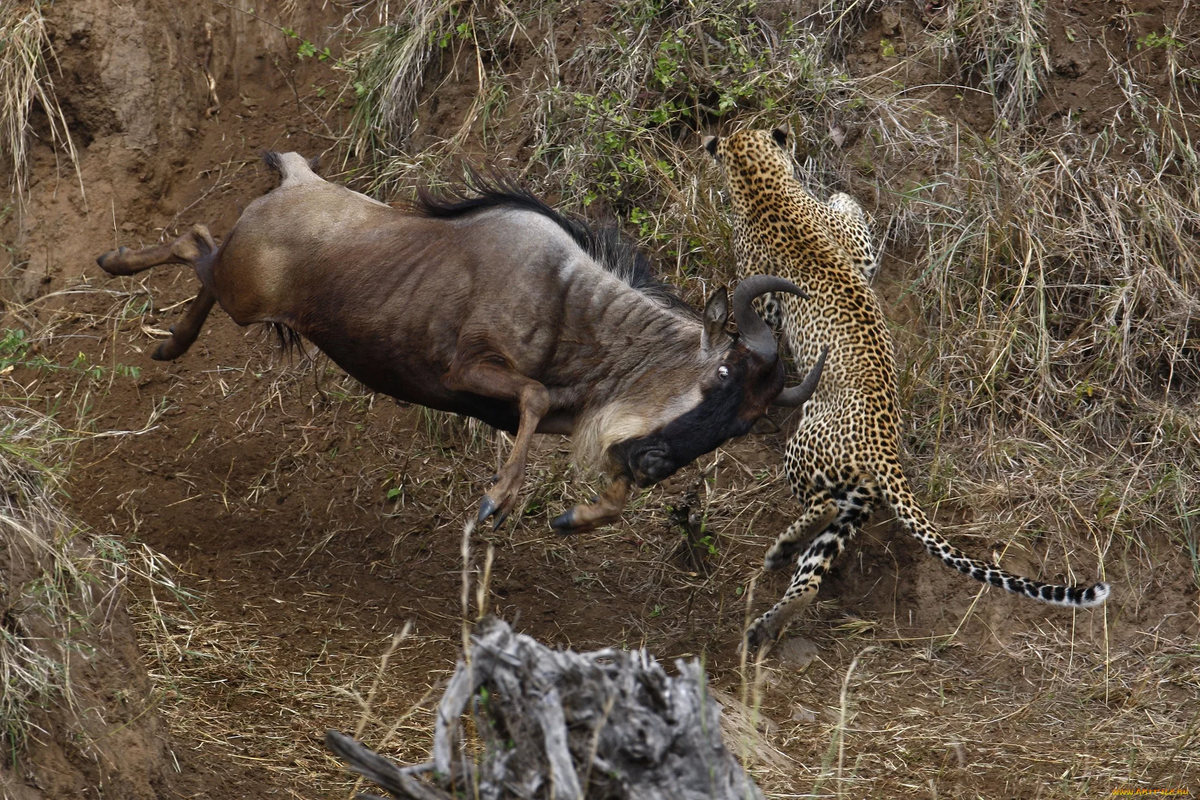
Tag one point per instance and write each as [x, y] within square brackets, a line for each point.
[898, 495]
[292, 168]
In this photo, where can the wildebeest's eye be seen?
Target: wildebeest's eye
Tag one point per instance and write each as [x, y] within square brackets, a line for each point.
[722, 372]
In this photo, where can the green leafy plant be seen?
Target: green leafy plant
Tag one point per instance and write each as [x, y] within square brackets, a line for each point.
[1162, 41]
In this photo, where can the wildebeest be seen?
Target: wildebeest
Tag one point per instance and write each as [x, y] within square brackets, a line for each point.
[489, 303]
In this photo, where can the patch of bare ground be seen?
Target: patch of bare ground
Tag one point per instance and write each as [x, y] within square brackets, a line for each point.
[1025, 164]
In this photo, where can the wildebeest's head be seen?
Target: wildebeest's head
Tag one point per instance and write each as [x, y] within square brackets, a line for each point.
[733, 381]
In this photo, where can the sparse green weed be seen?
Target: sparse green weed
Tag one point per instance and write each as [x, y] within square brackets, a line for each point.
[1154, 40]
[17, 350]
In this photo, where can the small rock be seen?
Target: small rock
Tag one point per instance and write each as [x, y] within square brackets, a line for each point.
[795, 651]
[838, 134]
[1070, 66]
[802, 714]
[889, 21]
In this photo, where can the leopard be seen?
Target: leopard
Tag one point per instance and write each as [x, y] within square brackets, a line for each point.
[844, 458]
[851, 231]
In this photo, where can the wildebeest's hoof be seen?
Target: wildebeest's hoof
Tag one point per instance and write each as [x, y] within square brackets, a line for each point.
[498, 509]
[564, 522]
[167, 351]
[587, 516]
[487, 507]
[105, 259]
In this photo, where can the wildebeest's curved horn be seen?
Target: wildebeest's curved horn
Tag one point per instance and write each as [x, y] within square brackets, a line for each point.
[753, 331]
[796, 396]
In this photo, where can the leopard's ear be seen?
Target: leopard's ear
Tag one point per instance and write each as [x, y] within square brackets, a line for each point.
[710, 144]
[780, 134]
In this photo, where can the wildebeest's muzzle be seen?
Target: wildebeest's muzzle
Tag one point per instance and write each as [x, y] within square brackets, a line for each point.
[647, 460]
[655, 457]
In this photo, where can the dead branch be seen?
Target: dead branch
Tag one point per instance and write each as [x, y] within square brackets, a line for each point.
[561, 725]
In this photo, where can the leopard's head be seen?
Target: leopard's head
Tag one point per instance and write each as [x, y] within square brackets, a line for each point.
[755, 162]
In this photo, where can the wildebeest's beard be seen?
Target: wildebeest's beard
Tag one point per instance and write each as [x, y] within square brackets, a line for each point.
[719, 417]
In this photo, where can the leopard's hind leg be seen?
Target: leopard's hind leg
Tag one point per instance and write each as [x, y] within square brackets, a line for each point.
[821, 492]
[855, 238]
[806, 581]
[820, 512]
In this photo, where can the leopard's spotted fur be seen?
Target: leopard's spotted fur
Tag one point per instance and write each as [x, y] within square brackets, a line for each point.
[844, 456]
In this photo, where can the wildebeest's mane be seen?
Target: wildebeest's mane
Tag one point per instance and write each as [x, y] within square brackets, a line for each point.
[607, 245]
[289, 340]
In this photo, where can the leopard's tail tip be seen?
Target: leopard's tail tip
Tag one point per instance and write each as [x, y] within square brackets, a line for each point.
[1095, 596]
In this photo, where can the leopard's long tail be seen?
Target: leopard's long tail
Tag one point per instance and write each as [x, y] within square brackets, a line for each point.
[896, 491]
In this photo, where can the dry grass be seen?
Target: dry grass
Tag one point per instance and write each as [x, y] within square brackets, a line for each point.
[1059, 372]
[26, 75]
[234, 690]
[39, 561]
[58, 583]
[913, 721]
[388, 71]
[1001, 47]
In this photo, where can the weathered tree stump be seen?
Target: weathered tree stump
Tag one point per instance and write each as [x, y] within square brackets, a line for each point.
[560, 725]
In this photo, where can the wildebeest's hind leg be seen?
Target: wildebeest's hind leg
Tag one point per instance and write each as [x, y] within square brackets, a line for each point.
[492, 379]
[192, 248]
[187, 249]
[603, 510]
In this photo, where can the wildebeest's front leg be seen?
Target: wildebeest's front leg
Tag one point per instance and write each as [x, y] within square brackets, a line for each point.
[603, 510]
[491, 379]
[184, 332]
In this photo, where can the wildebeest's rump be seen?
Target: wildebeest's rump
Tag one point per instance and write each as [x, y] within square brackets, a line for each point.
[491, 304]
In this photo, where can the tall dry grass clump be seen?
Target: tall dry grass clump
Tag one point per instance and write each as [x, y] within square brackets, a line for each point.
[26, 83]
[387, 73]
[59, 583]
[1056, 372]
[35, 599]
[50, 578]
[1001, 47]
